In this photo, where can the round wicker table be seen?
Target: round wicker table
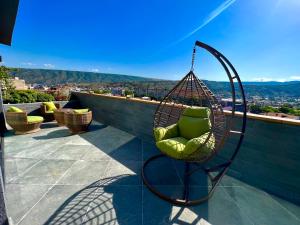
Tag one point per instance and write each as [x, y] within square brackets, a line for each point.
[59, 115]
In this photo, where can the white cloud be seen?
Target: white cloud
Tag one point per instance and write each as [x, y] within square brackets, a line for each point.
[48, 65]
[266, 79]
[215, 13]
[295, 78]
[28, 64]
[95, 70]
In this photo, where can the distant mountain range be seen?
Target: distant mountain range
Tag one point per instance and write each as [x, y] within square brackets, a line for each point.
[53, 77]
[269, 83]
[265, 89]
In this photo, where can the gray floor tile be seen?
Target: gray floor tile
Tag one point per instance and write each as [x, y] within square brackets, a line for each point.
[109, 140]
[20, 198]
[131, 150]
[77, 140]
[289, 206]
[69, 152]
[45, 172]
[61, 205]
[260, 206]
[149, 149]
[220, 210]
[16, 147]
[162, 172]
[95, 154]
[38, 151]
[17, 166]
[84, 172]
[130, 171]
[53, 134]
[116, 205]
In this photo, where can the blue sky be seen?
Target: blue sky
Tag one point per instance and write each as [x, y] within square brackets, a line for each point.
[155, 38]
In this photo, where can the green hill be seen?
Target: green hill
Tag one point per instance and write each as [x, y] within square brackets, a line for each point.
[52, 77]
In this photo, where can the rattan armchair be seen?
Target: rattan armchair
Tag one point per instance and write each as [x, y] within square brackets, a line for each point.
[23, 124]
[48, 115]
[78, 122]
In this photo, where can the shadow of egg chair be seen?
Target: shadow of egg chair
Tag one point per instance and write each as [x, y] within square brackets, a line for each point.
[191, 126]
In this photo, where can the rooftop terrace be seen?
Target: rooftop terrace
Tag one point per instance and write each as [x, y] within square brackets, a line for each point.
[53, 177]
[94, 178]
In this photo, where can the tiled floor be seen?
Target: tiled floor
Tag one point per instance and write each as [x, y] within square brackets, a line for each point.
[94, 178]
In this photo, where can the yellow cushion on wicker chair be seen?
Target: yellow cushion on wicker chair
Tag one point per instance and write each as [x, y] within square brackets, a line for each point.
[161, 133]
[35, 119]
[198, 112]
[191, 127]
[49, 111]
[50, 106]
[79, 111]
[188, 135]
[14, 109]
[173, 147]
[194, 144]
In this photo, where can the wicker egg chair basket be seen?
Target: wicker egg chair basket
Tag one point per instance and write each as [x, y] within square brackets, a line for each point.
[189, 92]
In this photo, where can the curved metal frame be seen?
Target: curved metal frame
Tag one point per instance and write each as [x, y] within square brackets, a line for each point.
[221, 168]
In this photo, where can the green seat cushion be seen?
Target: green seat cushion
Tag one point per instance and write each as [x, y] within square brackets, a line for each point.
[197, 145]
[49, 111]
[35, 119]
[50, 106]
[14, 109]
[191, 127]
[79, 111]
[173, 147]
[161, 133]
[199, 112]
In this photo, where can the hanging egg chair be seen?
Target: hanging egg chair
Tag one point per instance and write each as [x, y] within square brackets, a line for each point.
[191, 126]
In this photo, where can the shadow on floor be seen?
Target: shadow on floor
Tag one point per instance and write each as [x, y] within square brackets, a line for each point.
[111, 201]
[64, 132]
[90, 205]
[48, 125]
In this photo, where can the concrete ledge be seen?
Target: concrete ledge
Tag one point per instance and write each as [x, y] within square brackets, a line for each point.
[253, 116]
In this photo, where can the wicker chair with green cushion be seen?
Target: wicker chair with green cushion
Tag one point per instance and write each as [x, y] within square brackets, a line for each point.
[21, 123]
[78, 120]
[47, 110]
[190, 126]
[187, 136]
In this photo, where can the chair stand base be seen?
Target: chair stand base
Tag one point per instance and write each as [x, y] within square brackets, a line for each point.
[185, 200]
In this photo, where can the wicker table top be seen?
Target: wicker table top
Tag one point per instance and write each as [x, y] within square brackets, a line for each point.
[59, 115]
[63, 110]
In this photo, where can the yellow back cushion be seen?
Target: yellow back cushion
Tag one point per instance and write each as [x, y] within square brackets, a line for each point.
[14, 109]
[50, 106]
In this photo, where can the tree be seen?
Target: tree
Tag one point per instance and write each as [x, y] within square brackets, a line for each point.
[128, 92]
[267, 109]
[256, 109]
[286, 108]
[6, 83]
[28, 96]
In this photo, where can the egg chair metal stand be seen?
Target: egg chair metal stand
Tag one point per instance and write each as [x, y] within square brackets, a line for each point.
[190, 92]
